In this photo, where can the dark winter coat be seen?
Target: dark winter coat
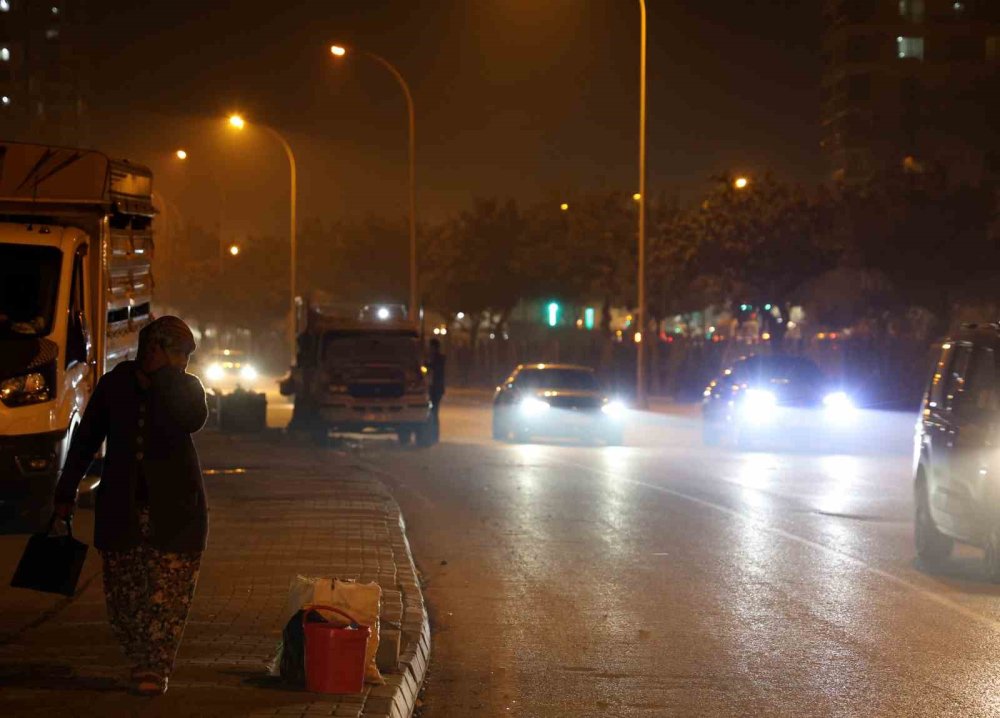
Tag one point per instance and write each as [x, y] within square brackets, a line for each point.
[148, 434]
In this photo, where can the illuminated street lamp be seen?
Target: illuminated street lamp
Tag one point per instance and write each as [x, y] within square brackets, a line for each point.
[564, 206]
[238, 123]
[741, 182]
[234, 249]
[341, 51]
[637, 196]
[181, 154]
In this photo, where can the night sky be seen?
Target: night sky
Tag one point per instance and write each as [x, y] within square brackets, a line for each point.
[532, 99]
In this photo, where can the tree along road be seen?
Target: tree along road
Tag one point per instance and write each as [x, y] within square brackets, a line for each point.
[664, 578]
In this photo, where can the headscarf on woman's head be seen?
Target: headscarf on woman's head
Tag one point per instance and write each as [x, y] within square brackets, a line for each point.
[169, 332]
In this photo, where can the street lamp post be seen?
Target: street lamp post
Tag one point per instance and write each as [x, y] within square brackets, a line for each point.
[640, 393]
[238, 123]
[341, 51]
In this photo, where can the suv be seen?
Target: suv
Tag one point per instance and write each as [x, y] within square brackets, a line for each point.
[358, 375]
[956, 459]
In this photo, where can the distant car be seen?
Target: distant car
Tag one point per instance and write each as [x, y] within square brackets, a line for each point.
[556, 400]
[226, 369]
[956, 461]
[776, 398]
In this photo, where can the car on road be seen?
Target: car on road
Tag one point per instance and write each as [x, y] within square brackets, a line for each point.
[766, 399]
[956, 452]
[556, 400]
[226, 369]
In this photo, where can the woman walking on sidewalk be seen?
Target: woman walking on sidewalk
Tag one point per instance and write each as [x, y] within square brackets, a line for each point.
[151, 519]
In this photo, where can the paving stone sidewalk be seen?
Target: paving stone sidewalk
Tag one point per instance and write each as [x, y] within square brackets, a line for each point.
[278, 509]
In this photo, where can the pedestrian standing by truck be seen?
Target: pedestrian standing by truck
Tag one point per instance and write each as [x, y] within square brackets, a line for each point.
[151, 521]
[435, 365]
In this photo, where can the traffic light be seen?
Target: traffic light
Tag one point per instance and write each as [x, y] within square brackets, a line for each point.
[553, 311]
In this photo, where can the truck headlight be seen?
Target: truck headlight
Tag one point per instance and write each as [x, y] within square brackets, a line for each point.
[533, 407]
[248, 373]
[215, 372]
[26, 389]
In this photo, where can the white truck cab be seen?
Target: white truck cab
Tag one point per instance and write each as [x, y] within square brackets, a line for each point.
[75, 289]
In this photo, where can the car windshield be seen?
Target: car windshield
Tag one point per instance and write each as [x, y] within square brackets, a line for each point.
[349, 348]
[573, 379]
[780, 369]
[29, 287]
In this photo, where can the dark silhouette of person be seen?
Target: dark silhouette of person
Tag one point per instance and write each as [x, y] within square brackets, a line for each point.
[435, 365]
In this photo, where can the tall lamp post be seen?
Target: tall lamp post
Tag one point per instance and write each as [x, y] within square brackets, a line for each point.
[341, 51]
[640, 393]
[238, 123]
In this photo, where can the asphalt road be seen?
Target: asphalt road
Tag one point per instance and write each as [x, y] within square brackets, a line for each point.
[666, 579]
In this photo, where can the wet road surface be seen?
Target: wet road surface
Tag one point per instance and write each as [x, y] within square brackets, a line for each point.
[664, 578]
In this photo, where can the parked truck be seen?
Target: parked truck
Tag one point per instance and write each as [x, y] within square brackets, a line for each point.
[76, 247]
[360, 371]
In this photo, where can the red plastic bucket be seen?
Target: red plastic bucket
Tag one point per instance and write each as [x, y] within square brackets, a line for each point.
[335, 656]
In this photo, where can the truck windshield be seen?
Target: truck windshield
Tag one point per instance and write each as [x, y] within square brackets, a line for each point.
[350, 348]
[29, 286]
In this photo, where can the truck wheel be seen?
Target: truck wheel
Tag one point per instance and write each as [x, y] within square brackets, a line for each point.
[932, 546]
[425, 435]
[404, 436]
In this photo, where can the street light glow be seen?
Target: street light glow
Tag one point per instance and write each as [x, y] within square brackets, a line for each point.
[237, 122]
[181, 154]
[637, 196]
[564, 206]
[234, 249]
[338, 50]
[741, 183]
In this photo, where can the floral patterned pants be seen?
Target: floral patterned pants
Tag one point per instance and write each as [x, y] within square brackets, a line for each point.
[148, 594]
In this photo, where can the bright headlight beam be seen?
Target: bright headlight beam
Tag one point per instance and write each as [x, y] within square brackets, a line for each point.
[759, 403]
[533, 407]
[248, 373]
[215, 372]
[614, 409]
[838, 402]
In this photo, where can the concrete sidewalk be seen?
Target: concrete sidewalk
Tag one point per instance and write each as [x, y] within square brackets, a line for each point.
[277, 509]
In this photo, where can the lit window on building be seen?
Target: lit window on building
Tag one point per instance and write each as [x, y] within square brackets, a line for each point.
[4, 100]
[52, 33]
[910, 47]
[4, 54]
[912, 10]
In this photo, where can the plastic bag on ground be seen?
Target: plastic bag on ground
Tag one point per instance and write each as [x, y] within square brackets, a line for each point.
[362, 601]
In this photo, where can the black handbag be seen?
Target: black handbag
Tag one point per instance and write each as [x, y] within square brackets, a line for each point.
[51, 563]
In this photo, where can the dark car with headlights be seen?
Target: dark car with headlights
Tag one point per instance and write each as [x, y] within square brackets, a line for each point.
[957, 450]
[775, 398]
[556, 400]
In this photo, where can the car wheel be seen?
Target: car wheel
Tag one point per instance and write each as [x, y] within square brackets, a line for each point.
[932, 546]
[500, 430]
[711, 435]
[404, 436]
[991, 558]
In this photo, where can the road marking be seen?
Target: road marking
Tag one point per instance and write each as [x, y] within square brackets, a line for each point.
[986, 621]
